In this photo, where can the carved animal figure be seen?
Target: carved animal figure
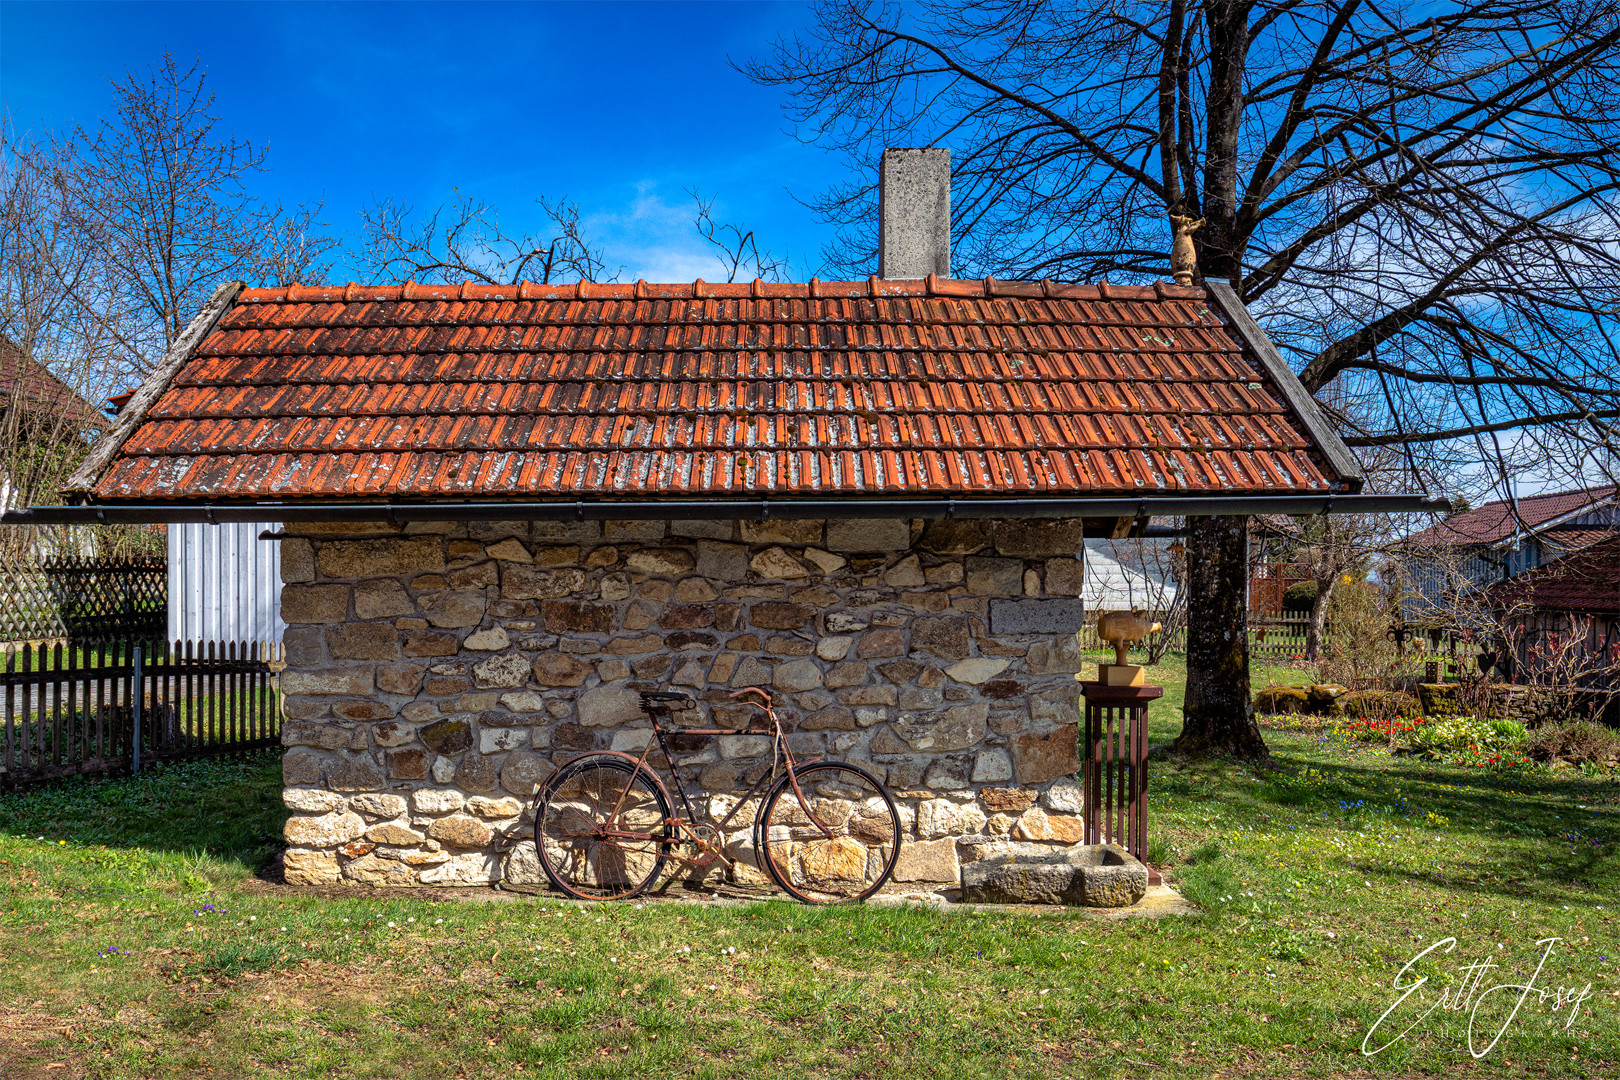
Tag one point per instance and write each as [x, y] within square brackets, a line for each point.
[1183, 256]
[1122, 629]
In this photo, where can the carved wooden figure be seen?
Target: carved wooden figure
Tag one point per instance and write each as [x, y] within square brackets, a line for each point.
[1122, 629]
[1183, 256]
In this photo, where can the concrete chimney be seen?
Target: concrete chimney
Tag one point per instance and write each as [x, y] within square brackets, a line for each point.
[914, 214]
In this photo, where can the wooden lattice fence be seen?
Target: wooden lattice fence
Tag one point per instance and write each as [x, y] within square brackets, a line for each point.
[84, 600]
[107, 709]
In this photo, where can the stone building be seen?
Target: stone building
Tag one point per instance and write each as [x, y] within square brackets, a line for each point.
[508, 509]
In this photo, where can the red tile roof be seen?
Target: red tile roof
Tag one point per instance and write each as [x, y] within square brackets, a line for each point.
[30, 384]
[1494, 521]
[922, 388]
[1587, 581]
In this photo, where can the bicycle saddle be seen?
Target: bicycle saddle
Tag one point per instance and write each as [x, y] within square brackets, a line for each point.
[654, 702]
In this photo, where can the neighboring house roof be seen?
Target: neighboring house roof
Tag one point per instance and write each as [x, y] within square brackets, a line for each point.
[1494, 522]
[899, 388]
[1587, 581]
[1567, 538]
[26, 383]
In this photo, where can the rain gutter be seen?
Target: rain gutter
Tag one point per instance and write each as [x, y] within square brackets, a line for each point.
[759, 509]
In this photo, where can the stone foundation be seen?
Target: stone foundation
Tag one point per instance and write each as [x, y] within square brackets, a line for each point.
[438, 672]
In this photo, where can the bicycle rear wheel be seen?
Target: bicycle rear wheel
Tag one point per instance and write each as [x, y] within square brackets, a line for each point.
[852, 856]
[602, 829]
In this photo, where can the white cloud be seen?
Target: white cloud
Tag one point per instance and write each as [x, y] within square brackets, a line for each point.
[654, 238]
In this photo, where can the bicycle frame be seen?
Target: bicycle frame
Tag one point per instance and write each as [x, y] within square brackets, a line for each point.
[688, 824]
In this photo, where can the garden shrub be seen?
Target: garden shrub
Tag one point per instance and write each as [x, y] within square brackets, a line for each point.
[1300, 597]
[1582, 742]
[1457, 734]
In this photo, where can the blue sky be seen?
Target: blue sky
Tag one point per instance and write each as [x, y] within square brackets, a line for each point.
[620, 107]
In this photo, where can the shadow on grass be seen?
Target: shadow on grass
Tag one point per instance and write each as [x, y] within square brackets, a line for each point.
[228, 808]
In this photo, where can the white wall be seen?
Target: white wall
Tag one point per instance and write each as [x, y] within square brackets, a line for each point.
[1122, 574]
[224, 583]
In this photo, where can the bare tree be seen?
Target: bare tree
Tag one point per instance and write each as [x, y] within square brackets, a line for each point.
[464, 241]
[1419, 203]
[738, 248]
[54, 363]
[158, 201]
[110, 239]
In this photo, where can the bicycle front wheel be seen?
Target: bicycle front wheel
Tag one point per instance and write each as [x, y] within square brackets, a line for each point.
[836, 845]
[602, 831]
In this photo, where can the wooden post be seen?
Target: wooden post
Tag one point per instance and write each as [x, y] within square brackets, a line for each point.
[1113, 751]
[136, 700]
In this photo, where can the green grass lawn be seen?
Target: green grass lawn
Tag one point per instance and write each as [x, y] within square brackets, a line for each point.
[139, 943]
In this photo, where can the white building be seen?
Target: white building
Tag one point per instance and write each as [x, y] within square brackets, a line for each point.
[224, 583]
[1125, 574]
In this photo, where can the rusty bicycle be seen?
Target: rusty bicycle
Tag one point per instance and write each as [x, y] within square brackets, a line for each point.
[824, 831]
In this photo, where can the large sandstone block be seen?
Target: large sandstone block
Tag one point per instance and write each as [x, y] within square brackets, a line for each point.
[475, 868]
[780, 616]
[927, 860]
[868, 534]
[381, 557]
[955, 537]
[659, 562]
[422, 643]
[301, 866]
[325, 831]
[452, 610]
[1046, 756]
[521, 582]
[947, 638]
[777, 565]
[1064, 576]
[312, 800]
[503, 672]
[314, 603]
[300, 767]
[363, 641]
[995, 577]
[522, 771]
[375, 870]
[1037, 824]
[355, 772]
[351, 681]
[806, 531]
[327, 736]
[461, 830]
[607, 706]
[955, 728]
[1034, 538]
[297, 560]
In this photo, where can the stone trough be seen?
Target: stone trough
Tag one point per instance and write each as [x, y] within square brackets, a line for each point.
[1091, 875]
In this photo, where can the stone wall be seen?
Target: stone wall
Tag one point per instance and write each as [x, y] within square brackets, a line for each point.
[437, 672]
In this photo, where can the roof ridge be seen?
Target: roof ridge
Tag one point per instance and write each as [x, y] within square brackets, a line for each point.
[641, 289]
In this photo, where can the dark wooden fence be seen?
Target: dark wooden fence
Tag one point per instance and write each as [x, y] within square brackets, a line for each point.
[110, 709]
[84, 600]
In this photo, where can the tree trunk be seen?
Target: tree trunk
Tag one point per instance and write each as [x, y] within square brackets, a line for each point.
[1317, 630]
[1218, 717]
